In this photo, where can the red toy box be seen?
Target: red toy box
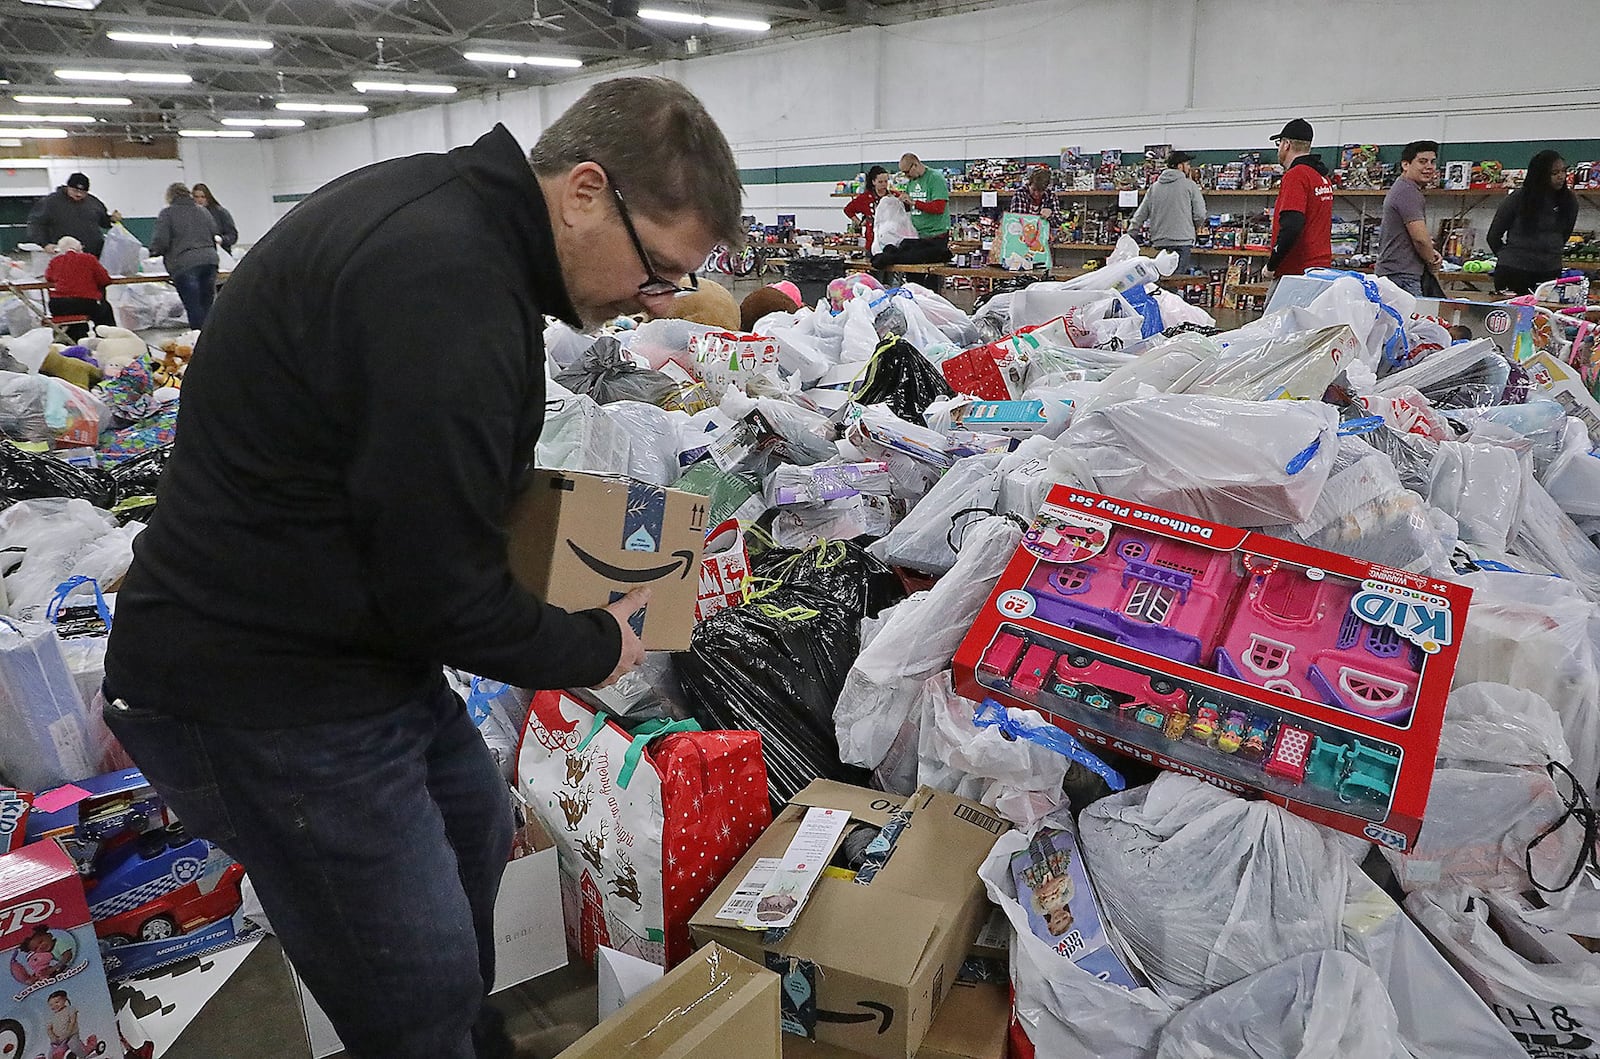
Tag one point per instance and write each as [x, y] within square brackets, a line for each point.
[57, 1003]
[1316, 680]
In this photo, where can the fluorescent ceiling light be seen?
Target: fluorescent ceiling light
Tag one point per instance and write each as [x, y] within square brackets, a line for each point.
[181, 40]
[135, 76]
[82, 101]
[689, 18]
[396, 86]
[35, 134]
[324, 108]
[556, 61]
[50, 119]
[265, 123]
[76, 5]
[218, 134]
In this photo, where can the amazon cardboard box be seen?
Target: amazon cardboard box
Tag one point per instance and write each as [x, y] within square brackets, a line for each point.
[972, 1023]
[583, 540]
[714, 1005]
[869, 956]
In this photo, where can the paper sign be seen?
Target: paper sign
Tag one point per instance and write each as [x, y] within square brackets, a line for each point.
[808, 853]
[58, 798]
[991, 198]
[1127, 198]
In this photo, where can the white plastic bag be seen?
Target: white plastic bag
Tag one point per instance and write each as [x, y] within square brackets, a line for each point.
[122, 252]
[658, 341]
[1366, 513]
[1299, 366]
[44, 542]
[956, 325]
[1551, 1007]
[1548, 536]
[1240, 463]
[31, 347]
[1320, 1005]
[1065, 1011]
[579, 436]
[891, 224]
[652, 435]
[1481, 487]
[1492, 798]
[918, 640]
[45, 730]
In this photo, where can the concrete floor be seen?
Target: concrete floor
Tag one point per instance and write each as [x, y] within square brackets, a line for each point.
[256, 1014]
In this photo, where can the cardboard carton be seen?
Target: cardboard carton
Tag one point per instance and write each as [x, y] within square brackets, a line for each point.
[583, 540]
[869, 958]
[714, 1005]
[970, 1024]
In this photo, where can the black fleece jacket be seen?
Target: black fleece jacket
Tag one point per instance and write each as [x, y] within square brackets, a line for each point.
[359, 413]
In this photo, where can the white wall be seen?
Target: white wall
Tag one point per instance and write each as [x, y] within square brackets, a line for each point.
[1029, 78]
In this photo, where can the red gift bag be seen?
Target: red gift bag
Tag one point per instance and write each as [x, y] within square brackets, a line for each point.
[646, 823]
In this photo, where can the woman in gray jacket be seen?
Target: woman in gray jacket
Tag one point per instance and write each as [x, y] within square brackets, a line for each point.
[185, 239]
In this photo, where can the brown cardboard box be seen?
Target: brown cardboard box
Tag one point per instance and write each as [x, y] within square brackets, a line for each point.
[972, 1023]
[880, 956]
[714, 1005]
[581, 540]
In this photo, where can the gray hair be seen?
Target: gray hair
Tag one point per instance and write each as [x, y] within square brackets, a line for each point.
[177, 192]
[654, 138]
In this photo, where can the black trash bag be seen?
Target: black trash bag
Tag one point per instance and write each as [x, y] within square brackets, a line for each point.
[902, 378]
[840, 571]
[776, 666]
[34, 476]
[605, 373]
[140, 475]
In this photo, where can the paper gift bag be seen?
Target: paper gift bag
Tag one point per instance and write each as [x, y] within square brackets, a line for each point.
[723, 359]
[1023, 242]
[723, 571]
[646, 823]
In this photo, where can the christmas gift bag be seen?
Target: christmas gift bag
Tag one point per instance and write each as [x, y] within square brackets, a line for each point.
[646, 823]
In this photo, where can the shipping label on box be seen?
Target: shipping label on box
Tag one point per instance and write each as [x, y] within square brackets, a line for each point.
[1316, 680]
[585, 540]
[58, 1003]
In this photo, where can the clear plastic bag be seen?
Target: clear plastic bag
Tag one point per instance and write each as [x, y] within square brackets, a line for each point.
[918, 640]
[1366, 513]
[891, 224]
[1320, 1005]
[122, 252]
[1573, 477]
[579, 436]
[563, 346]
[652, 435]
[1481, 487]
[1241, 463]
[1467, 375]
[658, 341]
[1548, 536]
[1299, 366]
[1493, 798]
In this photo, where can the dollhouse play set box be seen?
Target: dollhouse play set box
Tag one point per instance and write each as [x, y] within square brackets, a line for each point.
[1312, 679]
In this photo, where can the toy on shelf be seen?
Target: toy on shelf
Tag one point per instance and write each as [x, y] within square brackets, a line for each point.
[1314, 679]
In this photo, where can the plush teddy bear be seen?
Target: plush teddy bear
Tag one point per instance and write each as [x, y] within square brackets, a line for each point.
[711, 305]
[70, 369]
[115, 348]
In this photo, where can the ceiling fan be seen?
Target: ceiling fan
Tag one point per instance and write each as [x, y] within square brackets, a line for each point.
[538, 21]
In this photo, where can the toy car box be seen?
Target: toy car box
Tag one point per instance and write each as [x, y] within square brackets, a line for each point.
[156, 893]
[57, 1001]
[1315, 680]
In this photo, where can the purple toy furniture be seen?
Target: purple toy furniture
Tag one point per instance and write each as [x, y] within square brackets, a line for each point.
[1163, 596]
[1294, 632]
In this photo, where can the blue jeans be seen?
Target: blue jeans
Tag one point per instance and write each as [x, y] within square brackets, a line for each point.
[376, 847]
[197, 287]
[1410, 284]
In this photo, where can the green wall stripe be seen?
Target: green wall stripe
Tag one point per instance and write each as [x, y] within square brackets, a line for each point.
[1513, 154]
[290, 198]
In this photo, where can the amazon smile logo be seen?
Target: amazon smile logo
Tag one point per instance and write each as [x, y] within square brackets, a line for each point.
[684, 558]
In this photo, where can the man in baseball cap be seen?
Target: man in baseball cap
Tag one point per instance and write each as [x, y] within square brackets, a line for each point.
[1174, 207]
[1302, 218]
[71, 210]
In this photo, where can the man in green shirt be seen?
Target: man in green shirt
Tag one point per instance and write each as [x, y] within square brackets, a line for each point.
[927, 198]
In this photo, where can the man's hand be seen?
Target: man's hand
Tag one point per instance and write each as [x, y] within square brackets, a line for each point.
[116, 216]
[49, 248]
[632, 649]
[1047, 213]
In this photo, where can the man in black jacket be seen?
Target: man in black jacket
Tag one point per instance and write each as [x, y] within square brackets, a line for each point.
[358, 414]
[71, 210]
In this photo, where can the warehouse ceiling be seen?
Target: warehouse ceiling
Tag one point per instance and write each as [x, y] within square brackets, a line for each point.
[254, 60]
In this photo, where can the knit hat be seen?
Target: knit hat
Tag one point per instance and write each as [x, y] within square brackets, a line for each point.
[79, 181]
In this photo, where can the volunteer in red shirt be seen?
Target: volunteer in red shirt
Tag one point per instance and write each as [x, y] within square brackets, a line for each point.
[863, 204]
[78, 283]
[1302, 220]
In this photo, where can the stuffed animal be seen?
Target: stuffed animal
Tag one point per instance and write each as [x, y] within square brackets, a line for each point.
[80, 373]
[845, 288]
[759, 303]
[115, 348]
[711, 305]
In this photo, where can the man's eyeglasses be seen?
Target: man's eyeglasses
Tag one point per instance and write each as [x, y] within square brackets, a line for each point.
[655, 284]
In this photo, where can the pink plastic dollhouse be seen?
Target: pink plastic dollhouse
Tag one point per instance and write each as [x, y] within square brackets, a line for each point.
[1164, 596]
[1294, 632]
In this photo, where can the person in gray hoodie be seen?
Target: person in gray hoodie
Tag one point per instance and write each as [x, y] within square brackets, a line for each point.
[1174, 206]
[185, 239]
